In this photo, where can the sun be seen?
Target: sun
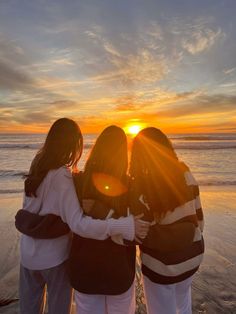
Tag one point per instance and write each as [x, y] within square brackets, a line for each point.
[133, 129]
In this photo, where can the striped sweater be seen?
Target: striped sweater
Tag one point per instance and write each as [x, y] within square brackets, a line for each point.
[172, 267]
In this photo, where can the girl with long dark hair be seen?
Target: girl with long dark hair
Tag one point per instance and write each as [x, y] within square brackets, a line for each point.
[164, 189]
[49, 189]
[102, 272]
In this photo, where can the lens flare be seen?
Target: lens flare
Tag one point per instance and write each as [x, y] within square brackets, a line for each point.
[108, 185]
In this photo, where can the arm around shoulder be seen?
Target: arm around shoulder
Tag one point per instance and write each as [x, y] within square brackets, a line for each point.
[71, 213]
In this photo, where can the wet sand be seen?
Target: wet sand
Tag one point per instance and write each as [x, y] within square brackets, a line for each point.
[214, 286]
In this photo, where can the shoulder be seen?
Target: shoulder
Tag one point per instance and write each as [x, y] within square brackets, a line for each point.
[62, 172]
[188, 176]
[61, 177]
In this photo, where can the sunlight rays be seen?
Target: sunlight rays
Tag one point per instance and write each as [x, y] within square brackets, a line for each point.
[152, 149]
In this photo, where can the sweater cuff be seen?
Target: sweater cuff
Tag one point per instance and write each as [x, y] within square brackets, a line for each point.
[123, 226]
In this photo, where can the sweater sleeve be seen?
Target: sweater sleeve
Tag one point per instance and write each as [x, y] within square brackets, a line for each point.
[71, 213]
[169, 238]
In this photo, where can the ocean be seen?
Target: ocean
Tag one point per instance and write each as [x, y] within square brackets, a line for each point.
[211, 157]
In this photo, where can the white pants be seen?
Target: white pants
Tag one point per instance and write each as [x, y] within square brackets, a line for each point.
[106, 304]
[168, 299]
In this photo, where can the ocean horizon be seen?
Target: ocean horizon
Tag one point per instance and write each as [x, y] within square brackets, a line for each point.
[210, 156]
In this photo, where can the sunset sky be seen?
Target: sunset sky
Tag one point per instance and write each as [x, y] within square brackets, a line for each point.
[169, 64]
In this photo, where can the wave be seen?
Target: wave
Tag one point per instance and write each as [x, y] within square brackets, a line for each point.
[203, 138]
[205, 146]
[31, 146]
[216, 183]
[12, 173]
[20, 146]
[9, 191]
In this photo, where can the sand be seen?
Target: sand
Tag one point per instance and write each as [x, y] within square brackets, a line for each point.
[214, 286]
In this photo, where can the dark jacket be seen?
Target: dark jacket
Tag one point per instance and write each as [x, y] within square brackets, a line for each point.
[101, 267]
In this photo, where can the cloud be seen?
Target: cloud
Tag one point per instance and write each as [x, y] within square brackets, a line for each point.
[151, 100]
[140, 57]
[11, 51]
[132, 64]
[154, 30]
[111, 50]
[229, 71]
[202, 104]
[6, 114]
[144, 67]
[41, 114]
[201, 40]
[12, 78]
[140, 67]
[63, 61]
[35, 117]
[228, 128]
[197, 35]
[47, 112]
[126, 107]
[63, 104]
[13, 61]
[229, 84]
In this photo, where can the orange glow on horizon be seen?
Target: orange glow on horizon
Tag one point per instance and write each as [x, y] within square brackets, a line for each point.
[133, 128]
[130, 126]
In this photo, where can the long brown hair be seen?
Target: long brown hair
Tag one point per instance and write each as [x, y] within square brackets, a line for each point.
[157, 173]
[108, 157]
[63, 146]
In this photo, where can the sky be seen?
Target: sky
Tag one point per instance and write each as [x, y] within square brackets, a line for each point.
[168, 64]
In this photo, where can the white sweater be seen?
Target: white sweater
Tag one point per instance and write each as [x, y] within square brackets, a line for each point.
[56, 195]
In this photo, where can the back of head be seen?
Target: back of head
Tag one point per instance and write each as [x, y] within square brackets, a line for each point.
[150, 147]
[63, 147]
[157, 172]
[109, 153]
[108, 156]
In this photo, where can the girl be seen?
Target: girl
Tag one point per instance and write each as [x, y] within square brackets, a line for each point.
[164, 189]
[49, 189]
[102, 272]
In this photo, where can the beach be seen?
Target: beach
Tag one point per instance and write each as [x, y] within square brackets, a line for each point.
[211, 158]
[214, 289]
